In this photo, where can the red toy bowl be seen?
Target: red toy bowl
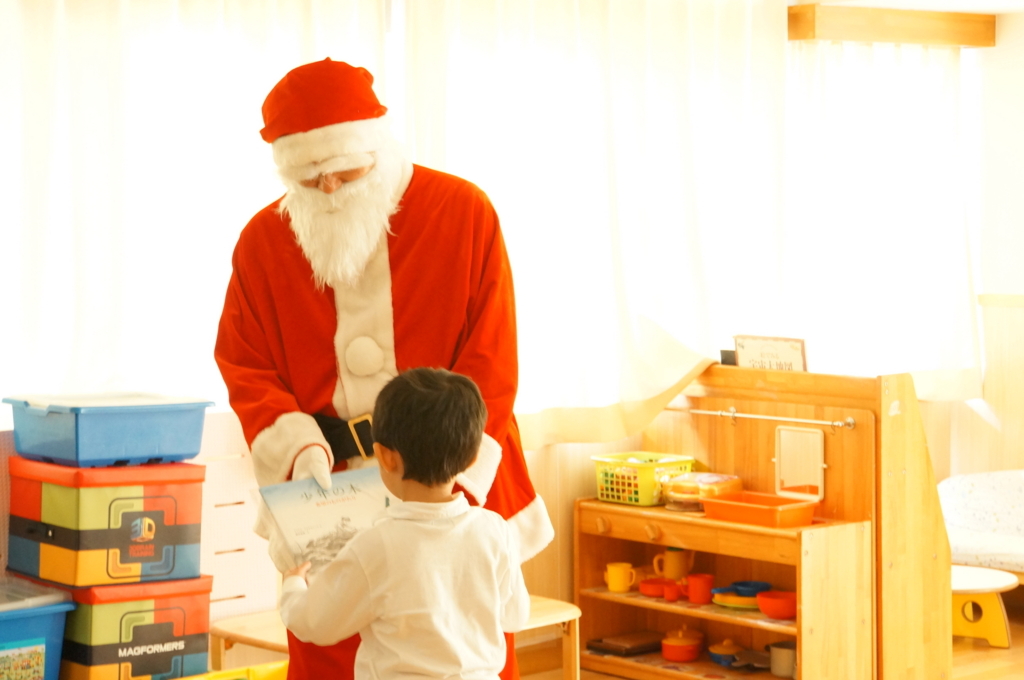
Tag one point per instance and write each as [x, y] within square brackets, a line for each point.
[654, 587]
[777, 604]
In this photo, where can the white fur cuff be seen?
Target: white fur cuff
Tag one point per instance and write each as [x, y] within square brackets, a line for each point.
[533, 528]
[275, 448]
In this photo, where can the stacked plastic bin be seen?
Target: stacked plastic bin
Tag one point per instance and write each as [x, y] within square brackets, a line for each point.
[103, 509]
[31, 629]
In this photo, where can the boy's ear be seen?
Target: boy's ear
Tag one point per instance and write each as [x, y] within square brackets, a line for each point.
[386, 458]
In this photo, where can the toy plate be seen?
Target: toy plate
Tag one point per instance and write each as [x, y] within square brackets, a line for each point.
[735, 601]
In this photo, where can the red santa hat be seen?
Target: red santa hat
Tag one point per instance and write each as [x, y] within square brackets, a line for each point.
[324, 117]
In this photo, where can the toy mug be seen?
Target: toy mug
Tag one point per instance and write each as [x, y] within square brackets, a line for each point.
[698, 588]
[619, 576]
[673, 563]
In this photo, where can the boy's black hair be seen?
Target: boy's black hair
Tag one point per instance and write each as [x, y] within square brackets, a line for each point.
[434, 419]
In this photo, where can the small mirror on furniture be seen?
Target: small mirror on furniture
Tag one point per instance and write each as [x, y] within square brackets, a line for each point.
[800, 463]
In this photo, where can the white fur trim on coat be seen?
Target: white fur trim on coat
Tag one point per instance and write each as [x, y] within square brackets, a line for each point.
[533, 528]
[478, 478]
[275, 448]
[365, 313]
[365, 316]
[340, 139]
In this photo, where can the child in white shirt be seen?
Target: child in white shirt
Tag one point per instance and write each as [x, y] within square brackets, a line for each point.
[432, 586]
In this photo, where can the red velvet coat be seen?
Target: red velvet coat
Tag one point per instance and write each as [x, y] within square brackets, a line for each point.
[440, 295]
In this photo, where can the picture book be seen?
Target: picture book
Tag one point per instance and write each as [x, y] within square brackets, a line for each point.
[316, 523]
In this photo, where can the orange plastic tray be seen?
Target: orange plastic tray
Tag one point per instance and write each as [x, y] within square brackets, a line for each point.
[763, 509]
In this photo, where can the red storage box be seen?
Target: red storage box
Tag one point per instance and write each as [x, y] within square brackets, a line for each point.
[102, 526]
[144, 630]
[763, 509]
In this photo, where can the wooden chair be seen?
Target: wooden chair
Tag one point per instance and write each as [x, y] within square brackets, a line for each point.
[265, 631]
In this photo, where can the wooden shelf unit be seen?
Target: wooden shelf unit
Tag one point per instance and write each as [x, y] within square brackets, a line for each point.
[817, 562]
[888, 620]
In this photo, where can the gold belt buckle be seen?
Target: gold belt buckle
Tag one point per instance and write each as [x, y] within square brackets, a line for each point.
[366, 417]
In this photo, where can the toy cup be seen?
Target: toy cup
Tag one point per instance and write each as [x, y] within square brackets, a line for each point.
[698, 587]
[619, 576]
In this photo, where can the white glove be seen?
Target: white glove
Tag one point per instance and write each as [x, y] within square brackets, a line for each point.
[313, 462]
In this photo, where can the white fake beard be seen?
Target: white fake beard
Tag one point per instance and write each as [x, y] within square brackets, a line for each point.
[339, 232]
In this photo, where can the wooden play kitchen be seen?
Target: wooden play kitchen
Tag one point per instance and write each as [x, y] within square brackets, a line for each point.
[870, 567]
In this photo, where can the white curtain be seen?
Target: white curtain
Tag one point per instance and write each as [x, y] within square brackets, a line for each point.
[672, 174]
[131, 160]
[876, 271]
[666, 176]
[628, 147]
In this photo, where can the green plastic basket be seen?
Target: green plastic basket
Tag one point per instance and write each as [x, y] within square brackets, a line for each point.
[635, 477]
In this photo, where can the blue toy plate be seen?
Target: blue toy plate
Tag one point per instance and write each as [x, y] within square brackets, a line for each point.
[744, 588]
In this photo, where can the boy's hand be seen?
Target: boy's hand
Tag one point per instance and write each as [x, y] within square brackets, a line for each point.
[300, 570]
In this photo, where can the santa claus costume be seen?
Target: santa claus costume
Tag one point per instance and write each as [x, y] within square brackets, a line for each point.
[434, 290]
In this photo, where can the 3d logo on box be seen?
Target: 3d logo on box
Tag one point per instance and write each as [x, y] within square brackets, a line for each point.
[147, 535]
[143, 530]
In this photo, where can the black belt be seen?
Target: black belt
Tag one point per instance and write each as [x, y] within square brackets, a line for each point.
[348, 438]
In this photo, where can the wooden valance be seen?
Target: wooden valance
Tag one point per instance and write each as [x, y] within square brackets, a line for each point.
[869, 24]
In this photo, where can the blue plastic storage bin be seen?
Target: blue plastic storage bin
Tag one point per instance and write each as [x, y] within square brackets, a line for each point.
[107, 429]
[31, 629]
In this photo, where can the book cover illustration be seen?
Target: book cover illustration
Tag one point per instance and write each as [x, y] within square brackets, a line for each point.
[316, 523]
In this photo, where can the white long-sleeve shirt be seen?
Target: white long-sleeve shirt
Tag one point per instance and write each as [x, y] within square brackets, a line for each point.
[430, 588]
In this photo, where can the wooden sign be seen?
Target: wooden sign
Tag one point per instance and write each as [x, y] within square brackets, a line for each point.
[774, 354]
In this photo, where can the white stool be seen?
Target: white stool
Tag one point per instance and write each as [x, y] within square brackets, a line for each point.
[265, 630]
[978, 609]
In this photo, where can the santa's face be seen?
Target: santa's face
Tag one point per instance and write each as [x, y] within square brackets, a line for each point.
[340, 217]
[330, 181]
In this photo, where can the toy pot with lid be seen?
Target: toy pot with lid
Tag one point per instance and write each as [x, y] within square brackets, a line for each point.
[724, 653]
[682, 645]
